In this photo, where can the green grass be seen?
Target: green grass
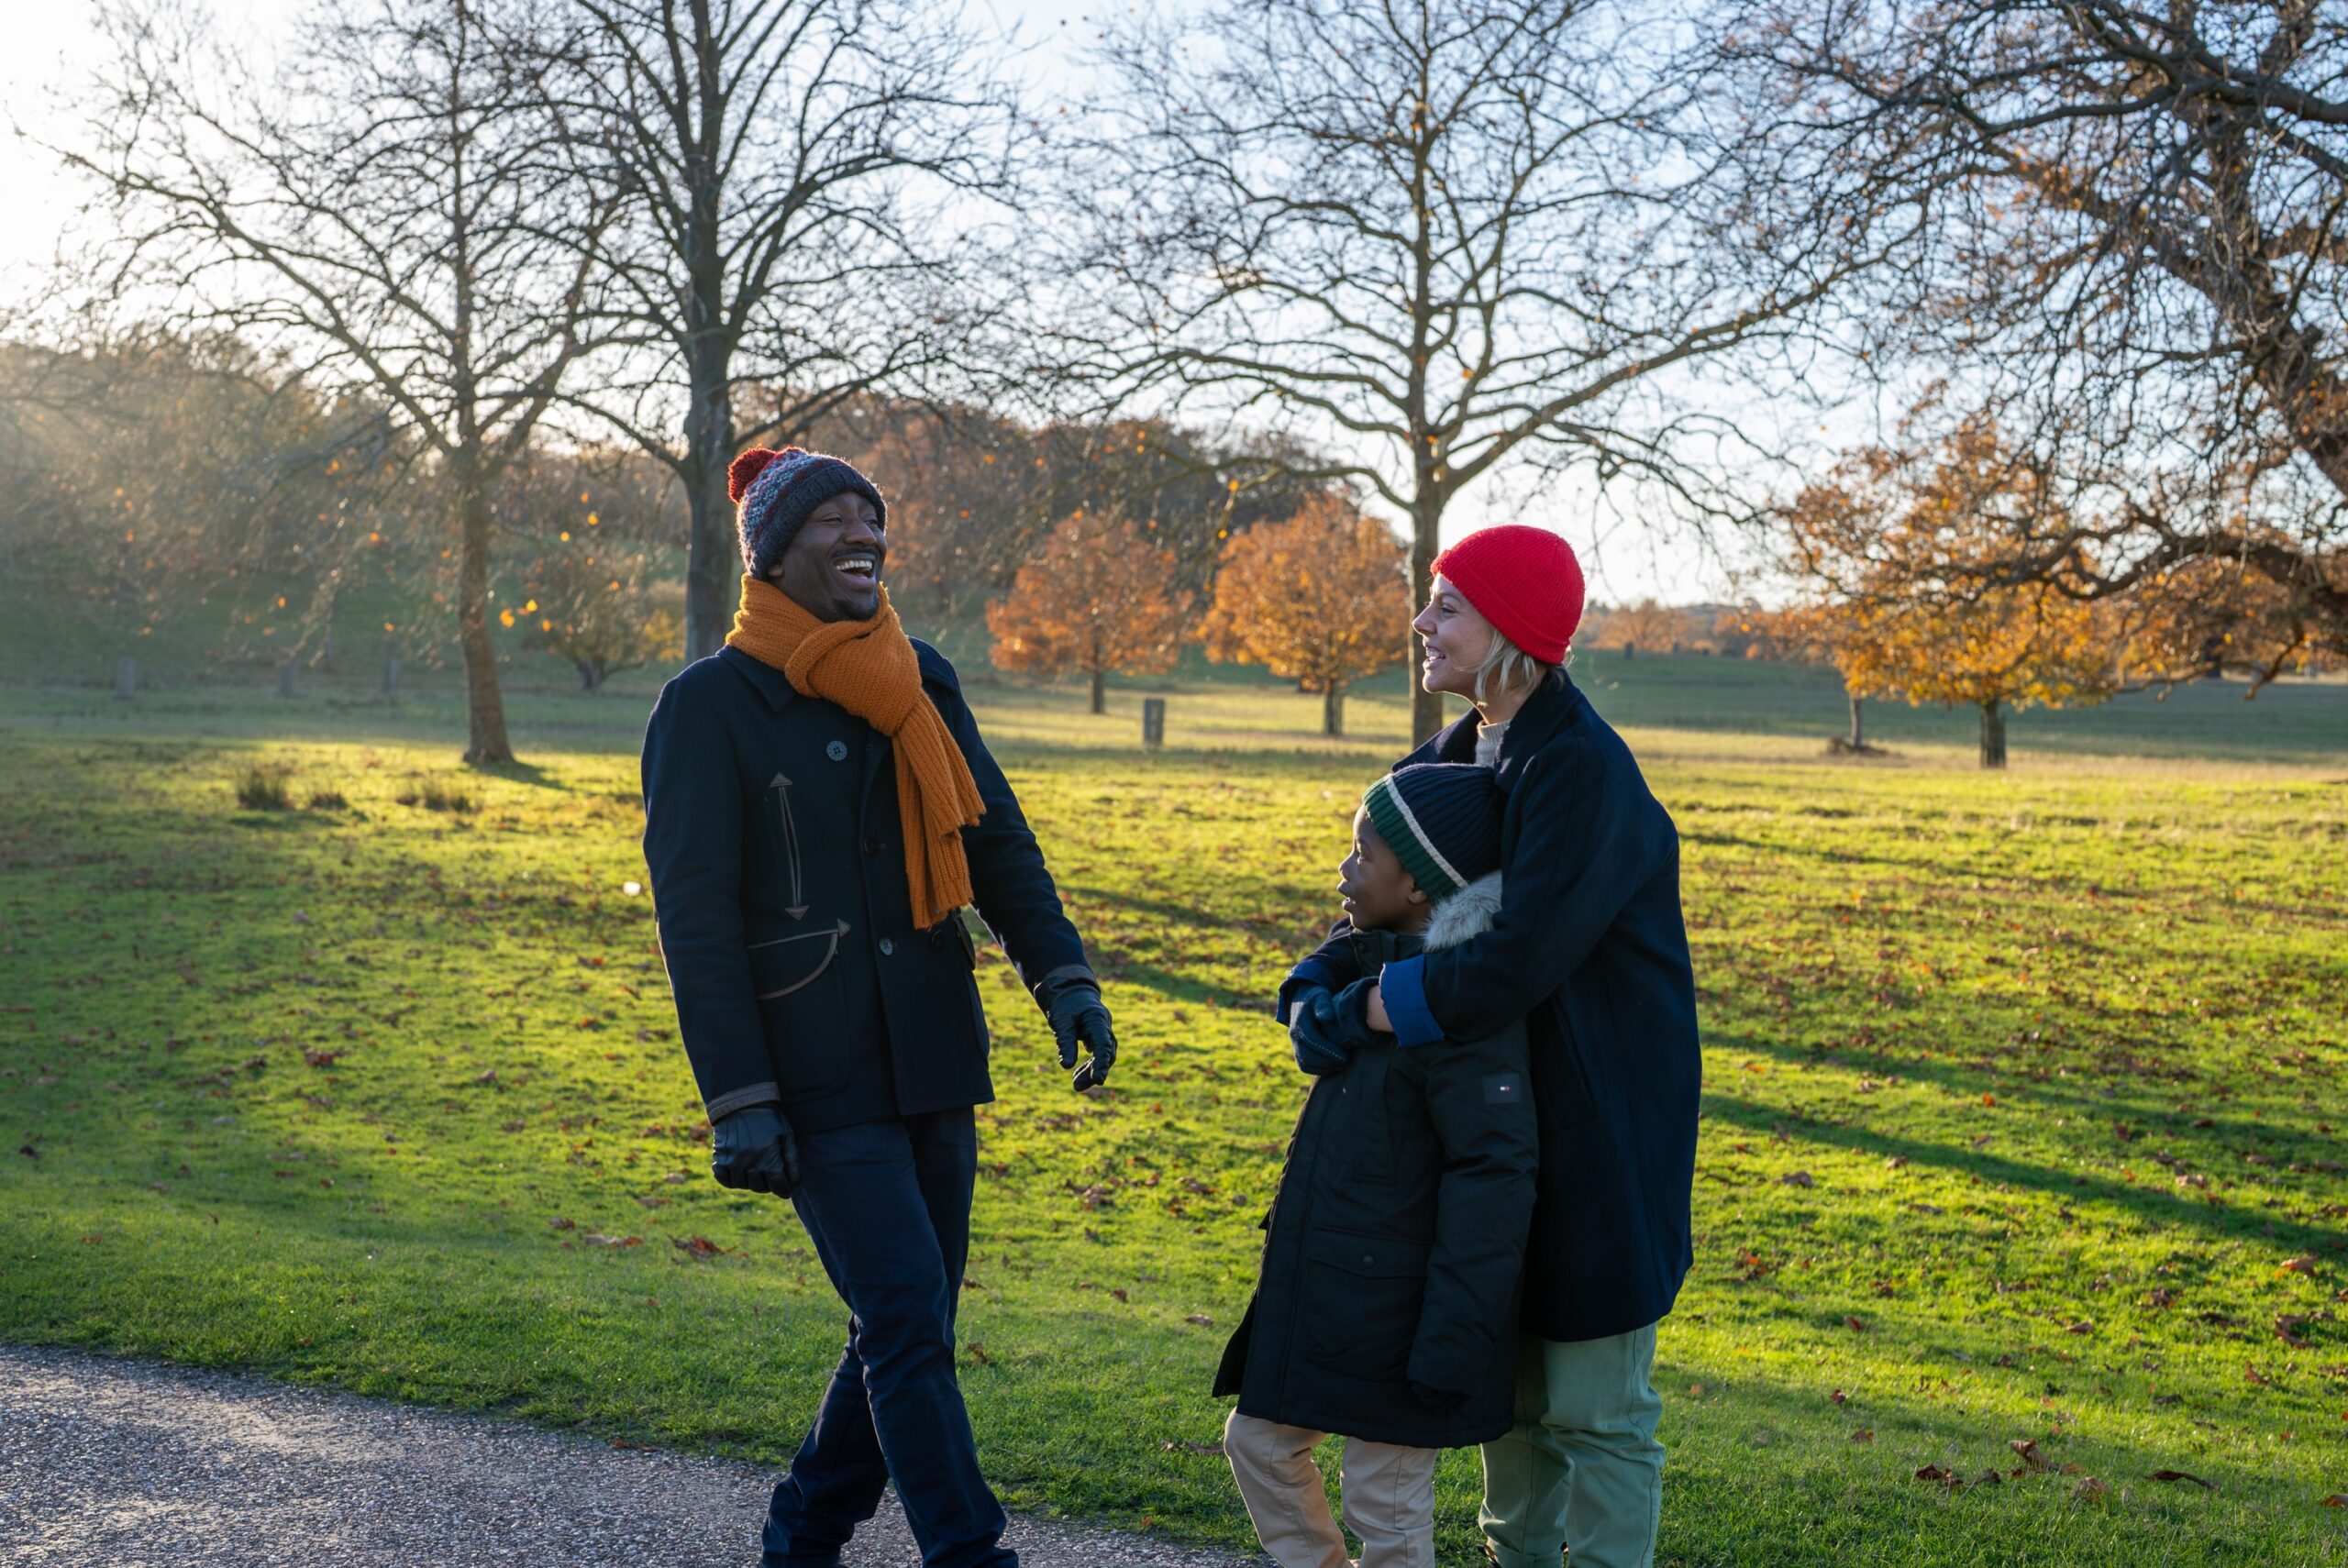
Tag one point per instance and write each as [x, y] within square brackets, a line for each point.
[389, 1096]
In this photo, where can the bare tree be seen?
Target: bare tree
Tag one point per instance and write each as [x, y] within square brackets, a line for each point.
[2129, 247]
[398, 210]
[786, 250]
[1436, 237]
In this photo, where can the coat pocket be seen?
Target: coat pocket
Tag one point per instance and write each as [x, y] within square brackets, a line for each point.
[1360, 1300]
[802, 1010]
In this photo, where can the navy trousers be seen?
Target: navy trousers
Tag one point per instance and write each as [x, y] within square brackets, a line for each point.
[888, 1204]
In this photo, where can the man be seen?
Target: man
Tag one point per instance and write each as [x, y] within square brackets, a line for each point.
[818, 805]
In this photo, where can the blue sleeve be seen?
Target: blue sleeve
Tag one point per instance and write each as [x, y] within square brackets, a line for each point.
[1590, 838]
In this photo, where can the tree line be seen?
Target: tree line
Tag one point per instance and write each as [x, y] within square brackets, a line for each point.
[1285, 260]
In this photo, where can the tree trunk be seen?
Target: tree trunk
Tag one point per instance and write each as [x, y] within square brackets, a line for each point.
[713, 554]
[1099, 690]
[1993, 735]
[1332, 708]
[590, 675]
[484, 703]
[1426, 706]
[1858, 727]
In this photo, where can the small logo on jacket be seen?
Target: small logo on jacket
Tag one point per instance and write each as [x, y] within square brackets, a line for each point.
[1504, 1089]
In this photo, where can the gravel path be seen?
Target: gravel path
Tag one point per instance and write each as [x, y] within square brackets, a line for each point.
[121, 1464]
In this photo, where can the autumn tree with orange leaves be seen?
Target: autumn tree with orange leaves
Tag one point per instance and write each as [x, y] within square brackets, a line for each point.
[1315, 599]
[1889, 549]
[1095, 599]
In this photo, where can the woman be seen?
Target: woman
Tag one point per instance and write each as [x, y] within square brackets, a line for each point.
[1589, 949]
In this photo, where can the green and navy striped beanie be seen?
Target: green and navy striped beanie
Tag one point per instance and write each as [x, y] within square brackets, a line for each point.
[1442, 822]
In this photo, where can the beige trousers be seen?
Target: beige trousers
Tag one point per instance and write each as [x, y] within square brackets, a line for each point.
[1387, 1494]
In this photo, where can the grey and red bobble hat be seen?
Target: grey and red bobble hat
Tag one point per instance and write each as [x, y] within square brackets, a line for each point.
[1442, 822]
[773, 490]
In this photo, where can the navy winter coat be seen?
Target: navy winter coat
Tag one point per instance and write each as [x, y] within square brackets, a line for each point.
[1590, 951]
[1392, 1252]
[778, 875]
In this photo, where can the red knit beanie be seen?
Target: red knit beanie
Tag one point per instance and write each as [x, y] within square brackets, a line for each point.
[1524, 581]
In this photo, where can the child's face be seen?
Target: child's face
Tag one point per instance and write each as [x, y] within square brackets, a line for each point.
[1378, 894]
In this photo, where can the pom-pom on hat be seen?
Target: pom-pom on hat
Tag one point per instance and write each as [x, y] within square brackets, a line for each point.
[774, 490]
[1524, 581]
[1442, 822]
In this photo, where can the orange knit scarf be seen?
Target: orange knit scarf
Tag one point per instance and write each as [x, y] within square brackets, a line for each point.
[869, 669]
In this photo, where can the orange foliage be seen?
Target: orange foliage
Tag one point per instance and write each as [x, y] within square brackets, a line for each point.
[1894, 545]
[1095, 599]
[1320, 599]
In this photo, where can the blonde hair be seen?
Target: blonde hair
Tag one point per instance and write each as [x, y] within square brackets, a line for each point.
[1507, 667]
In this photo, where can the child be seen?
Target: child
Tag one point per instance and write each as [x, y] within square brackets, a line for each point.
[1387, 1303]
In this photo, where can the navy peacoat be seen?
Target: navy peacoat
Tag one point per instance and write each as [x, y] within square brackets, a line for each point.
[1590, 950]
[778, 877]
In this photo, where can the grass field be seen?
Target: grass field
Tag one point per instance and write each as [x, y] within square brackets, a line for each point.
[2022, 1103]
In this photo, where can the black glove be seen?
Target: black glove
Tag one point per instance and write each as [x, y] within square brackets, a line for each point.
[752, 1149]
[1077, 1015]
[1325, 1030]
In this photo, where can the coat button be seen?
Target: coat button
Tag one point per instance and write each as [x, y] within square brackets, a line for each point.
[837, 751]
[871, 846]
[887, 947]
[1366, 1260]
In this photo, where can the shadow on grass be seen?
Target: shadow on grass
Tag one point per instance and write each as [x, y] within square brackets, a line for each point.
[2211, 1216]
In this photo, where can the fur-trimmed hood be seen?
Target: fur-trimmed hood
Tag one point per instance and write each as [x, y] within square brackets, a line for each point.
[1469, 912]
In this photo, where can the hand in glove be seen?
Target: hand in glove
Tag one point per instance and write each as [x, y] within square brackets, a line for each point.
[752, 1149]
[1326, 1029]
[1077, 1015]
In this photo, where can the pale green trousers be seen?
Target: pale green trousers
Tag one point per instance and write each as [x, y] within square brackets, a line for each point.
[1581, 1470]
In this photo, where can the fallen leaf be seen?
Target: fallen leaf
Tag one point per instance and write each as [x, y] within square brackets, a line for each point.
[1797, 1178]
[559, 1223]
[700, 1247]
[978, 1352]
[1865, 1434]
[1183, 1445]
[2289, 1328]
[318, 1058]
[1935, 1474]
[2027, 1449]
[1839, 1397]
[1854, 1325]
[593, 1240]
[2304, 1264]
[2090, 1491]
[1119, 1294]
[1201, 1319]
[2179, 1475]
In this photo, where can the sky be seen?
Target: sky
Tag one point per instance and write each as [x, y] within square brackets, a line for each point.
[51, 42]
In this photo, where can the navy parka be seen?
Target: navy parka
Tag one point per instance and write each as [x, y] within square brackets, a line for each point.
[778, 877]
[1590, 950]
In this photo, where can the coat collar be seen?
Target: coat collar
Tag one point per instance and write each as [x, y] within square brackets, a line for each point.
[768, 681]
[1552, 705]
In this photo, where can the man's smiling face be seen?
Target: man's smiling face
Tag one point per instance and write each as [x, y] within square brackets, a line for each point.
[832, 566]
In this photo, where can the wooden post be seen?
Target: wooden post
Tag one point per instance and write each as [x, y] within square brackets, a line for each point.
[285, 680]
[125, 677]
[392, 675]
[1153, 721]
